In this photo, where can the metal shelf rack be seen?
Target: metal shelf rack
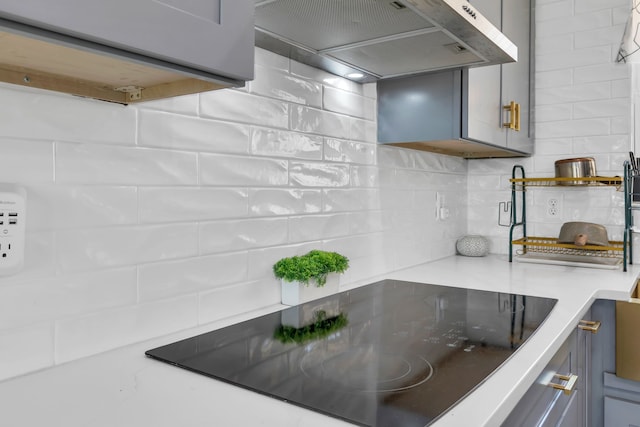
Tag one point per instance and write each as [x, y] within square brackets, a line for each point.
[550, 245]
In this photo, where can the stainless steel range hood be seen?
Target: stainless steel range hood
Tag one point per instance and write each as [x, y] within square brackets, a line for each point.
[381, 38]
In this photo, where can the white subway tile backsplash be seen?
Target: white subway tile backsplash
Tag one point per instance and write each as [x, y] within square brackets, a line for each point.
[352, 199]
[311, 120]
[192, 275]
[191, 204]
[151, 218]
[25, 349]
[237, 106]
[229, 301]
[348, 103]
[277, 201]
[87, 335]
[279, 143]
[54, 207]
[64, 118]
[555, 78]
[103, 164]
[605, 108]
[575, 58]
[236, 235]
[65, 296]
[307, 174]
[282, 85]
[317, 227]
[121, 246]
[242, 171]
[338, 150]
[159, 129]
[575, 93]
[602, 72]
[554, 112]
[25, 161]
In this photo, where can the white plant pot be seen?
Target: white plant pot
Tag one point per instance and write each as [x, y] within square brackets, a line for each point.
[294, 293]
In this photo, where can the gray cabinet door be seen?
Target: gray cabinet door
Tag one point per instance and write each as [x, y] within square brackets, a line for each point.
[491, 88]
[517, 76]
[621, 413]
[484, 104]
[215, 36]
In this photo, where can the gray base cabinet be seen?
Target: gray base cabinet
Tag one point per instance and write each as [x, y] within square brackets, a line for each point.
[544, 405]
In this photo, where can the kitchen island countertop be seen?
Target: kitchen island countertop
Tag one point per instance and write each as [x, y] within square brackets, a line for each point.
[123, 387]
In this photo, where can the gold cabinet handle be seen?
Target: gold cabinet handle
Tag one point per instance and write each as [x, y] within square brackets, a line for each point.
[511, 124]
[589, 326]
[567, 388]
[517, 124]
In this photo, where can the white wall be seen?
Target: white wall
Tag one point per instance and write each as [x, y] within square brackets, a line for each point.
[582, 108]
[143, 220]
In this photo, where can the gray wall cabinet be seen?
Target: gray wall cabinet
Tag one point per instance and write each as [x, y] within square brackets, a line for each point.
[462, 112]
[209, 40]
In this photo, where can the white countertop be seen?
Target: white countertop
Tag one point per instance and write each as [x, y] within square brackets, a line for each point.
[125, 388]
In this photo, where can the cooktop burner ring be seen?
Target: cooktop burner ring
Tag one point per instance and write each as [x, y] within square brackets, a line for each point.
[362, 369]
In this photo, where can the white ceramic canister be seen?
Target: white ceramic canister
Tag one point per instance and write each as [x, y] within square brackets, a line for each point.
[473, 245]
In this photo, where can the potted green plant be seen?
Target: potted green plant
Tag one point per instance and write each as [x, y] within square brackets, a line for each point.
[298, 273]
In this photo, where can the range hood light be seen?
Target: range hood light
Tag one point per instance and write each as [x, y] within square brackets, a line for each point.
[354, 76]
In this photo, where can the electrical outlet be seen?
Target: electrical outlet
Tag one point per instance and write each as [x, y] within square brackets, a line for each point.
[554, 207]
[13, 202]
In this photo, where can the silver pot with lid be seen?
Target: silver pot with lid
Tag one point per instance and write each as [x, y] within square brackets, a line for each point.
[580, 167]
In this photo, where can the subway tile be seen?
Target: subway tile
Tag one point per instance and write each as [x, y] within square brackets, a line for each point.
[192, 275]
[279, 84]
[240, 298]
[54, 207]
[103, 164]
[325, 78]
[267, 59]
[573, 24]
[369, 221]
[395, 157]
[574, 128]
[338, 150]
[599, 37]
[621, 89]
[308, 174]
[574, 93]
[368, 176]
[158, 129]
[351, 199]
[573, 58]
[26, 349]
[279, 143]
[176, 204]
[317, 227]
[554, 78]
[25, 161]
[242, 234]
[242, 171]
[554, 112]
[121, 246]
[185, 104]
[83, 336]
[605, 108]
[64, 118]
[236, 106]
[553, 146]
[311, 120]
[437, 163]
[270, 202]
[348, 103]
[66, 295]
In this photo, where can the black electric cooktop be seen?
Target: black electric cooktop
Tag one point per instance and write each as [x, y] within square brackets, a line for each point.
[391, 353]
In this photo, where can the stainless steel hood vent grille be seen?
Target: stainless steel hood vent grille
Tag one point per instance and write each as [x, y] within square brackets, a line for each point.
[380, 37]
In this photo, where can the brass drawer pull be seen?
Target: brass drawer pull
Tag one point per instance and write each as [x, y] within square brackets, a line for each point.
[589, 325]
[511, 108]
[569, 386]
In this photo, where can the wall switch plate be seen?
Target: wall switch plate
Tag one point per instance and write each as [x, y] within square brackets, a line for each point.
[13, 203]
